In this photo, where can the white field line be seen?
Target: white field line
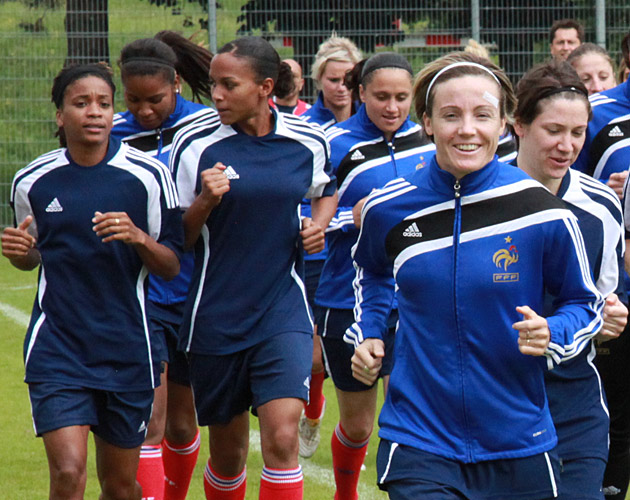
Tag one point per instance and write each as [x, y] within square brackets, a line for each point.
[18, 288]
[315, 472]
[320, 474]
[14, 314]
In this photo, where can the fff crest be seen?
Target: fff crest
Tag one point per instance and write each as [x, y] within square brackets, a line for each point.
[504, 258]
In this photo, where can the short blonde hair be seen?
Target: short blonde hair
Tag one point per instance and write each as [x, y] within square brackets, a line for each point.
[337, 49]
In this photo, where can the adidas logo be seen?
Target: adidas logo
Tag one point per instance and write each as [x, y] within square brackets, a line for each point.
[54, 206]
[357, 155]
[413, 231]
[230, 173]
[143, 427]
[615, 132]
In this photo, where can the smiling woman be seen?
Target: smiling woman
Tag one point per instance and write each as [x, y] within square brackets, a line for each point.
[467, 245]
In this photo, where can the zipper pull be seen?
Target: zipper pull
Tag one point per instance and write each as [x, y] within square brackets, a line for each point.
[159, 135]
[457, 187]
[391, 146]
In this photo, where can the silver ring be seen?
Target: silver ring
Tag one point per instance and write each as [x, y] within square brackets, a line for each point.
[527, 341]
[117, 221]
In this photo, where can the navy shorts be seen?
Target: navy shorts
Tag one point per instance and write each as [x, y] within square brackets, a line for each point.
[312, 273]
[338, 354]
[406, 472]
[165, 322]
[582, 479]
[119, 418]
[225, 386]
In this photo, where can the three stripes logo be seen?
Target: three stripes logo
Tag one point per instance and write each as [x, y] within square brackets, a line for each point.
[357, 155]
[615, 132]
[412, 231]
[54, 206]
[230, 173]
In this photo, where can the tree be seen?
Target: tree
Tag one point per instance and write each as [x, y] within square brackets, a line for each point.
[87, 28]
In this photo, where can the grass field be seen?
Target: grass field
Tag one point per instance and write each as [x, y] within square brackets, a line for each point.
[23, 468]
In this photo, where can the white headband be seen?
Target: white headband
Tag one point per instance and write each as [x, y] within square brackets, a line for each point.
[454, 65]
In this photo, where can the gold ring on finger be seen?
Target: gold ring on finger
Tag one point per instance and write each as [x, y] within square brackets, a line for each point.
[366, 369]
[117, 221]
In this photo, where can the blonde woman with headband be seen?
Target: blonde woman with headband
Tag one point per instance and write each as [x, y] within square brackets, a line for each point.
[472, 245]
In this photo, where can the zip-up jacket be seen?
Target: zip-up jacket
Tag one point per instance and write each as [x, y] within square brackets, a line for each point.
[362, 160]
[574, 389]
[607, 146]
[464, 254]
[157, 143]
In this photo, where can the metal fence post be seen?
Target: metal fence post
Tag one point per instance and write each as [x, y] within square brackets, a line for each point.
[600, 22]
[475, 20]
[212, 25]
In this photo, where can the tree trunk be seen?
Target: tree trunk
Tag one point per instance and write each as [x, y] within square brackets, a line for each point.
[87, 28]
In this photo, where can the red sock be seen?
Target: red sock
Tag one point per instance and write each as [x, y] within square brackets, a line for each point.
[315, 396]
[281, 484]
[224, 488]
[348, 457]
[150, 473]
[179, 464]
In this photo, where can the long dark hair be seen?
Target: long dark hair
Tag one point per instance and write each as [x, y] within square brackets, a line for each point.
[167, 53]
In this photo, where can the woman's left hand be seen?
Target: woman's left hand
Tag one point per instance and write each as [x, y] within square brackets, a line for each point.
[533, 332]
[117, 226]
[615, 316]
[313, 237]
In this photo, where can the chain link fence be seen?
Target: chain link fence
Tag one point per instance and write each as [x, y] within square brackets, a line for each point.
[38, 36]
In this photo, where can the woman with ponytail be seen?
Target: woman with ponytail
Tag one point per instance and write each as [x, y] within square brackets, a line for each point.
[153, 71]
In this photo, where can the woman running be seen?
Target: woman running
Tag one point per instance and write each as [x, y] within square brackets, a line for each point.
[97, 217]
[247, 326]
[152, 72]
[469, 245]
[551, 120]
[374, 146]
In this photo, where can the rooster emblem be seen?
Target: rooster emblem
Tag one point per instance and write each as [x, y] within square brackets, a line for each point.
[505, 257]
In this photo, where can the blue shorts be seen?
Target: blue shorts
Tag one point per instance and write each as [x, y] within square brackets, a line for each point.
[406, 472]
[312, 273]
[582, 479]
[119, 418]
[225, 386]
[165, 322]
[338, 354]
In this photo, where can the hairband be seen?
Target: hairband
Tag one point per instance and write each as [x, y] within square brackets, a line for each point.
[385, 60]
[454, 65]
[151, 60]
[557, 90]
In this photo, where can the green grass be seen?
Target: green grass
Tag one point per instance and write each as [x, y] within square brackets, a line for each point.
[23, 466]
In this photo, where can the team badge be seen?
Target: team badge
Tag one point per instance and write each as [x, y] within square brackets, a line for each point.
[422, 163]
[503, 259]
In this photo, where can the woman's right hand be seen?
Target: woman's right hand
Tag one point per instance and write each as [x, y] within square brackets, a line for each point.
[368, 360]
[214, 184]
[16, 241]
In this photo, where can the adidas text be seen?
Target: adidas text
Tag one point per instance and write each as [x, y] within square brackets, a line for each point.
[357, 155]
[413, 231]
